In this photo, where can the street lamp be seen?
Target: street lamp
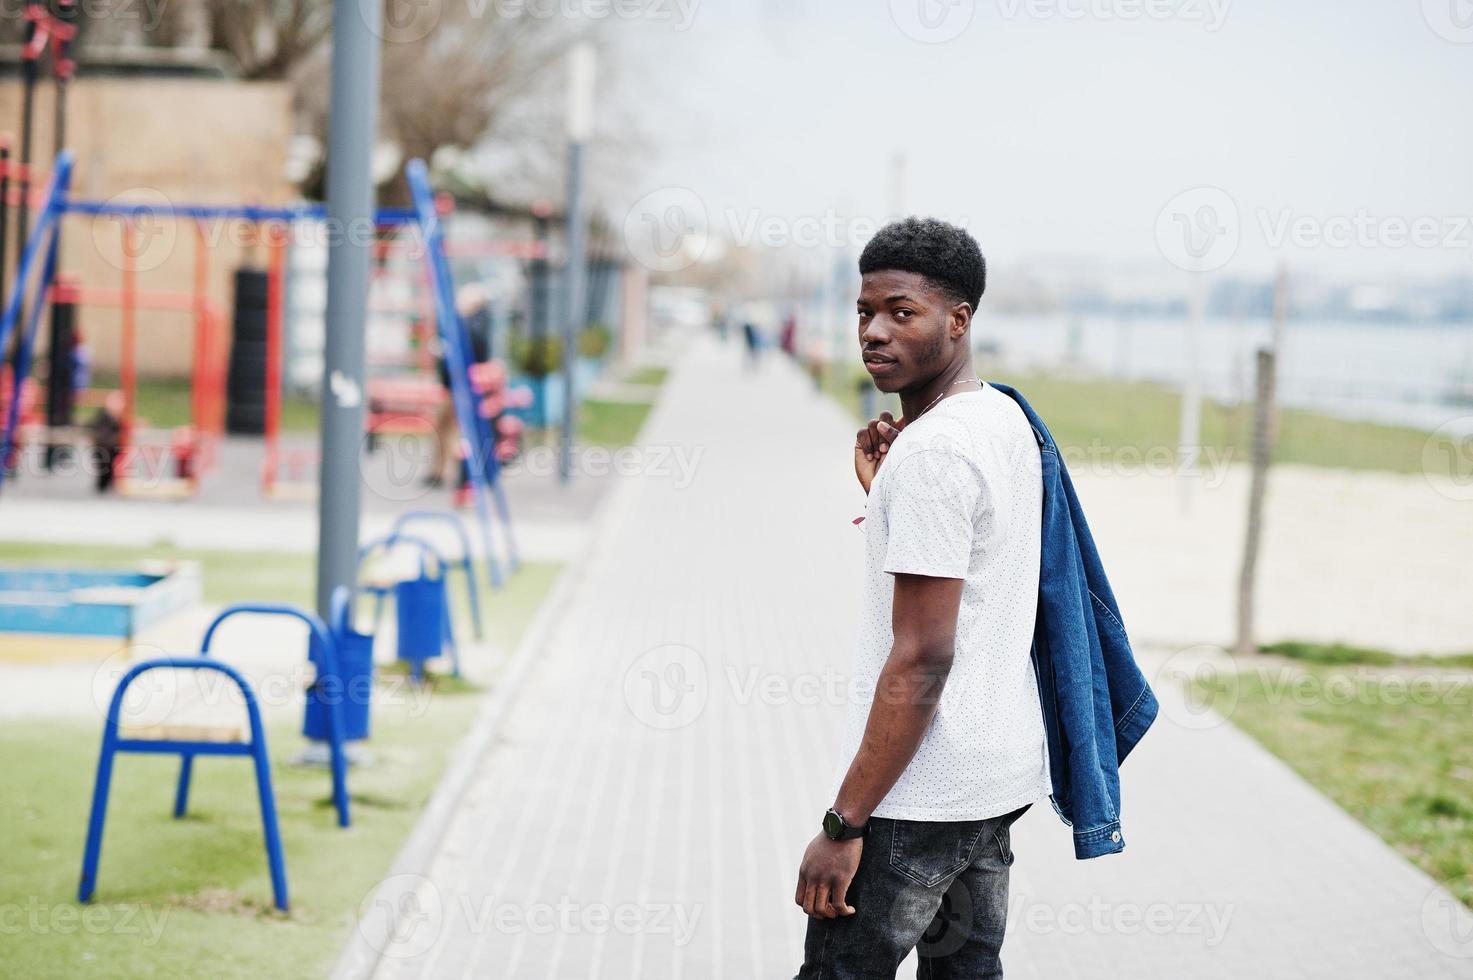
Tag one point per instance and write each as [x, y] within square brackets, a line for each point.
[580, 127]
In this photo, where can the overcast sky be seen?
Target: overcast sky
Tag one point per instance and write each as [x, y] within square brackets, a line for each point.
[1065, 127]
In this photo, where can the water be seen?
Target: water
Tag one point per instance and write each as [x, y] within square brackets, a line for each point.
[1418, 375]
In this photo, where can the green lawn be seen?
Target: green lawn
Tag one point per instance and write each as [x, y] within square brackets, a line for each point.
[1392, 746]
[610, 424]
[192, 898]
[165, 404]
[1089, 415]
[650, 375]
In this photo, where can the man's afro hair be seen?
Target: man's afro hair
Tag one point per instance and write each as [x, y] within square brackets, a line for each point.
[946, 255]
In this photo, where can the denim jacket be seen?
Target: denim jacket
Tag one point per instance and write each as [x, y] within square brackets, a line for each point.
[1096, 702]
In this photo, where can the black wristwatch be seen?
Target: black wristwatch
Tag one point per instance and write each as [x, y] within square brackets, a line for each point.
[835, 827]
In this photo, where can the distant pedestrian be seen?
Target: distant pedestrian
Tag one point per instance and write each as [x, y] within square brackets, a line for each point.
[754, 343]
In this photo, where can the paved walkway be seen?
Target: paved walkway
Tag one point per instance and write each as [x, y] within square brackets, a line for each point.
[642, 809]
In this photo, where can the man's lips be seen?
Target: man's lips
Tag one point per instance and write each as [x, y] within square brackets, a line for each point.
[877, 362]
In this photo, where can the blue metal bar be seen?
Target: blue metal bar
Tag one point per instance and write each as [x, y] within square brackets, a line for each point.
[384, 217]
[452, 331]
[328, 668]
[388, 541]
[181, 790]
[46, 224]
[112, 744]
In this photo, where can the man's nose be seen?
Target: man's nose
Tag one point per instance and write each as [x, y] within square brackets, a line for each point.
[874, 332]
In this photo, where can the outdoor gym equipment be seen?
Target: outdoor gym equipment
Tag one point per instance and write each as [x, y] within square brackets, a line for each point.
[423, 627]
[255, 747]
[478, 441]
[190, 741]
[477, 436]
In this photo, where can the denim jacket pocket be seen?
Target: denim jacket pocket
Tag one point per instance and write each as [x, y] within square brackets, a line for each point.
[930, 853]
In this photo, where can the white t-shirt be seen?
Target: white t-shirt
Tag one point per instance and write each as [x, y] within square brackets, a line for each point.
[960, 495]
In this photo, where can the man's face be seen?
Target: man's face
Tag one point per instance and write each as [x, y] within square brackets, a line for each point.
[908, 329]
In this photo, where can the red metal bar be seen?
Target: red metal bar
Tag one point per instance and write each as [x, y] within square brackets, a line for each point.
[148, 299]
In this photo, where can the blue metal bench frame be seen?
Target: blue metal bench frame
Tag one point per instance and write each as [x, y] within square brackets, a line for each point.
[255, 748]
[113, 743]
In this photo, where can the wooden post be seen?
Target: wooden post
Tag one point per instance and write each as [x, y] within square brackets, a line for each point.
[1263, 413]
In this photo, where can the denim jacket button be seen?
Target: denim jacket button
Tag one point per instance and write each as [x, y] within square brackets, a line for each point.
[1115, 836]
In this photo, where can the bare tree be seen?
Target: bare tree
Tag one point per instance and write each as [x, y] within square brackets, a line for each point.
[267, 37]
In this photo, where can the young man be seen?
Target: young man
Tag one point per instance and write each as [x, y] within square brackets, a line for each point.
[948, 748]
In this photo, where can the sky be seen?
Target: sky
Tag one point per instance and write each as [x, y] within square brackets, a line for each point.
[1333, 134]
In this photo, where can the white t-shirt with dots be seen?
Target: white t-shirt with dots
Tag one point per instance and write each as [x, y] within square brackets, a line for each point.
[960, 495]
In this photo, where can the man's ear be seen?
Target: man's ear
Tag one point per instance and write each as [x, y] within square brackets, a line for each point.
[959, 320]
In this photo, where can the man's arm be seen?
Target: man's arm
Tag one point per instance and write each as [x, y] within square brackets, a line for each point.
[906, 694]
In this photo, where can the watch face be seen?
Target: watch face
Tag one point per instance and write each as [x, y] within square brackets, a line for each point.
[833, 825]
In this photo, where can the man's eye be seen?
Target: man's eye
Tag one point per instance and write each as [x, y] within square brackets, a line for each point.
[903, 314]
[864, 315]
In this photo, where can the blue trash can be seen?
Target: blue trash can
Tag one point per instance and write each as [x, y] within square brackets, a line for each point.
[354, 690]
[420, 607]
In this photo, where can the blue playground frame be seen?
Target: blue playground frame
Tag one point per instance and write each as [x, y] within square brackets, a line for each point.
[477, 437]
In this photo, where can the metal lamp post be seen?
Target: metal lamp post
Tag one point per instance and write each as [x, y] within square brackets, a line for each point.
[580, 127]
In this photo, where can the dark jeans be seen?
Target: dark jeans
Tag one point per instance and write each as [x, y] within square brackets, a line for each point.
[940, 888]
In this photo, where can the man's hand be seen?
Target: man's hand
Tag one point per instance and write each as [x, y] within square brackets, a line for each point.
[871, 444]
[824, 876]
